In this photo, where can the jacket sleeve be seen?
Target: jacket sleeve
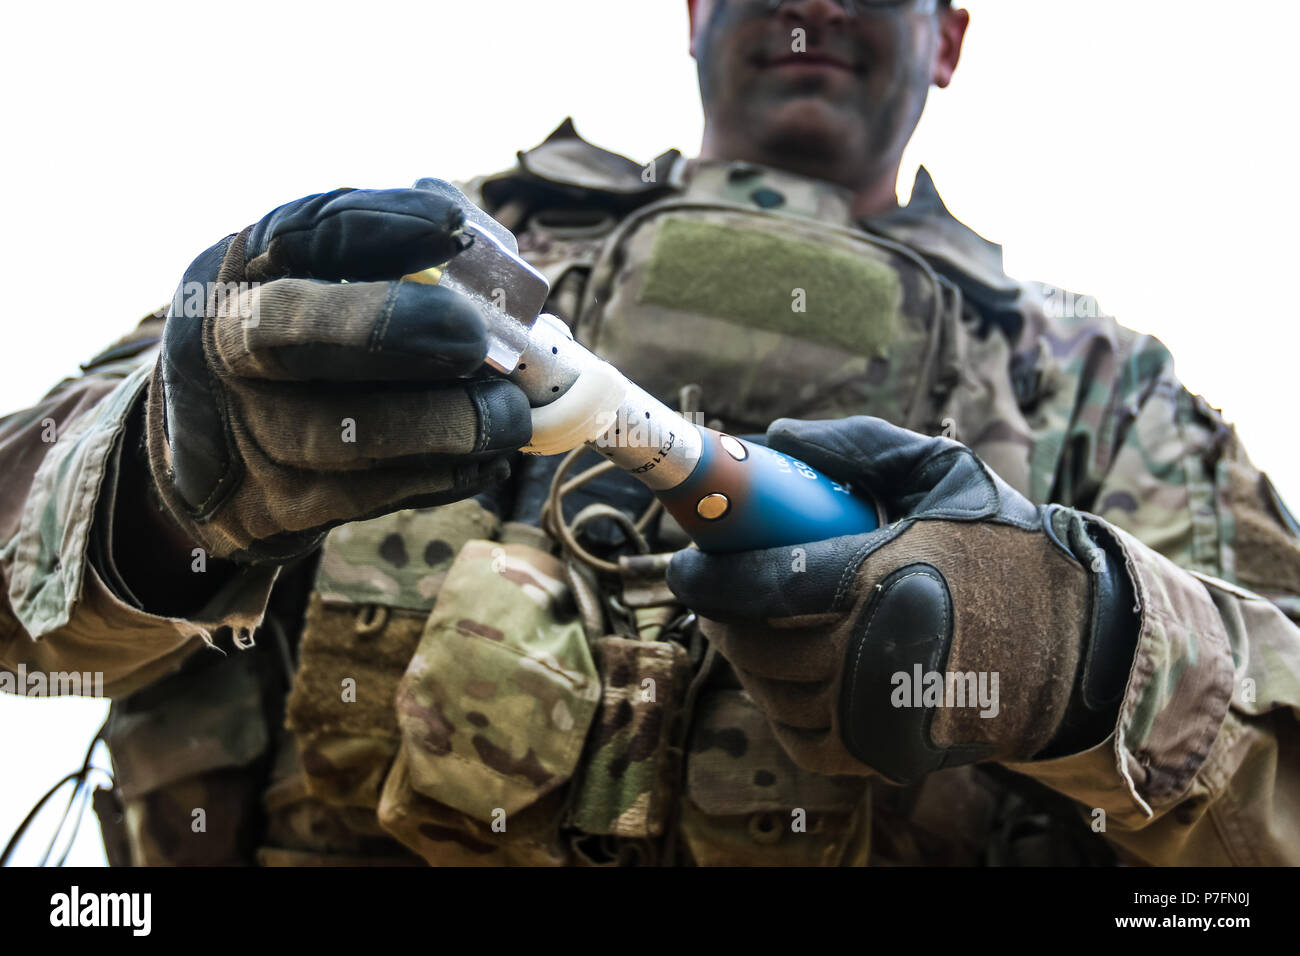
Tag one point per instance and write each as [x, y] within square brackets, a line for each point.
[1201, 768]
[57, 611]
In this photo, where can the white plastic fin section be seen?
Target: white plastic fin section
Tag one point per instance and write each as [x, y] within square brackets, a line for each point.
[583, 413]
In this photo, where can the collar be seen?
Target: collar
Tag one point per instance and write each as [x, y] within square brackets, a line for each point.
[567, 163]
[957, 251]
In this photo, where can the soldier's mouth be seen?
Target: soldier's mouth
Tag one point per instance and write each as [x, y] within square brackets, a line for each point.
[810, 61]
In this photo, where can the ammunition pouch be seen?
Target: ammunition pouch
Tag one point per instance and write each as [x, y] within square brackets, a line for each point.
[493, 708]
[631, 770]
[375, 585]
[748, 804]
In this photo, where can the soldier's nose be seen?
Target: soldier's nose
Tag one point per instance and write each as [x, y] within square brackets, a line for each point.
[814, 12]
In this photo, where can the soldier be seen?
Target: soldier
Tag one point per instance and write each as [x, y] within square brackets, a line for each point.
[344, 622]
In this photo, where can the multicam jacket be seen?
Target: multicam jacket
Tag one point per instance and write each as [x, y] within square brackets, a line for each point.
[450, 686]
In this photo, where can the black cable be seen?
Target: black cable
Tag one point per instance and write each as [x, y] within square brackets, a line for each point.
[80, 776]
[78, 818]
[81, 782]
[22, 827]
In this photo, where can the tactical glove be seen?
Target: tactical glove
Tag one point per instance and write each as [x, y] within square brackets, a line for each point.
[973, 626]
[300, 385]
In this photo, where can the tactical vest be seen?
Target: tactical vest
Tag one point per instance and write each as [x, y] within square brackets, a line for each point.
[468, 690]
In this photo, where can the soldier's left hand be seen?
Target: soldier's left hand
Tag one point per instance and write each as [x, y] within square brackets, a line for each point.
[1030, 607]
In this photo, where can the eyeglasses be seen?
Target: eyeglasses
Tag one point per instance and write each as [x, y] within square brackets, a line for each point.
[851, 7]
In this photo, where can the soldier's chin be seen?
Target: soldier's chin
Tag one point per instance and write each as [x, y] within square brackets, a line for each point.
[806, 126]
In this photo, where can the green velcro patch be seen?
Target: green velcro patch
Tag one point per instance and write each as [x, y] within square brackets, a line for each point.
[753, 278]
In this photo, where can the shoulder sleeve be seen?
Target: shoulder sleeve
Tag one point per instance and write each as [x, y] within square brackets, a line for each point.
[56, 611]
[1196, 771]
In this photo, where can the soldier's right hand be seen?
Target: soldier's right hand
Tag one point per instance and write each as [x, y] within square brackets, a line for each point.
[326, 390]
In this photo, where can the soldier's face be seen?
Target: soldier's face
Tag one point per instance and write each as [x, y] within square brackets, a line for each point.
[805, 78]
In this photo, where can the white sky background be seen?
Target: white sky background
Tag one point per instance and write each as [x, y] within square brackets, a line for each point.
[1137, 150]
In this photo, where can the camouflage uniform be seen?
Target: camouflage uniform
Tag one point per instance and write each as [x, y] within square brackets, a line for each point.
[449, 686]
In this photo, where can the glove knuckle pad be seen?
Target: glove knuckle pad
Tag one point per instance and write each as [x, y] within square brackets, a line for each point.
[906, 624]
